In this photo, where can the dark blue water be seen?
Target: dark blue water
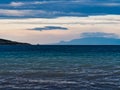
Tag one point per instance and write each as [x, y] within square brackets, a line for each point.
[59, 67]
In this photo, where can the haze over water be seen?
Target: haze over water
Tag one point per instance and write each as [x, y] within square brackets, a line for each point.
[59, 67]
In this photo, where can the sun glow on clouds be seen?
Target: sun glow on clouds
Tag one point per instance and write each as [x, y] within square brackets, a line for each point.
[17, 29]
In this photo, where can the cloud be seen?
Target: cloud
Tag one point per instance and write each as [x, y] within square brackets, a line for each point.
[16, 4]
[111, 4]
[99, 34]
[12, 13]
[34, 13]
[50, 28]
[91, 20]
[60, 8]
[22, 13]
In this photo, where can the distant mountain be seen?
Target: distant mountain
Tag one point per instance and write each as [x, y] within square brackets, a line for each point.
[8, 42]
[92, 41]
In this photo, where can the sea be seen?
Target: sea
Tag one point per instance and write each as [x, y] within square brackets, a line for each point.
[54, 67]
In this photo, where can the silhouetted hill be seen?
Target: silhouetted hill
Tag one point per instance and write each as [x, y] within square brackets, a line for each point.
[92, 41]
[8, 42]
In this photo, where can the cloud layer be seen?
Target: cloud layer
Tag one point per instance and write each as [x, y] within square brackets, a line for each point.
[52, 29]
[57, 8]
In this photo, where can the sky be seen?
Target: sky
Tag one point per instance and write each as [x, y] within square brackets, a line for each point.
[53, 21]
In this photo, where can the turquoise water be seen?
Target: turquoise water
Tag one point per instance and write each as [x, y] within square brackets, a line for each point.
[59, 67]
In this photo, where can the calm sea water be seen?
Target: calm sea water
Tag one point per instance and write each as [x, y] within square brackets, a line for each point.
[59, 67]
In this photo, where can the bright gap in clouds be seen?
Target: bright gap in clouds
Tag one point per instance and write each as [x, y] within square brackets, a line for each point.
[19, 29]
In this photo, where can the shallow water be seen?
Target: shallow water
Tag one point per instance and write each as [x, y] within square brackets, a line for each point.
[59, 67]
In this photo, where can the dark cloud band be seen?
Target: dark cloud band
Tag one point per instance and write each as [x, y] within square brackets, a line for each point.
[49, 28]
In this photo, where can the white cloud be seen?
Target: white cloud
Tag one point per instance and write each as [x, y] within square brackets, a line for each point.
[37, 2]
[12, 12]
[7, 12]
[16, 4]
[110, 4]
[35, 13]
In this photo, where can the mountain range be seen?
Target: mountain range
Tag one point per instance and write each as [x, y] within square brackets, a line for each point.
[92, 41]
[81, 41]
